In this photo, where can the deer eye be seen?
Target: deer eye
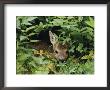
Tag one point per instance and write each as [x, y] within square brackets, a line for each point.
[67, 52]
[56, 51]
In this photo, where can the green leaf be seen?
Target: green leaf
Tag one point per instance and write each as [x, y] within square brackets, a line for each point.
[80, 18]
[79, 48]
[31, 28]
[18, 24]
[90, 22]
[58, 21]
[72, 49]
[31, 18]
[23, 38]
[34, 40]
[40, 60]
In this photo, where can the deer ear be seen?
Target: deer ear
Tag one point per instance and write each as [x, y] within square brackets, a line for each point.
[53, 37]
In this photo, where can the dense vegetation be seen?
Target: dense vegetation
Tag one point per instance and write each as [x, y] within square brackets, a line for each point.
[77, 31]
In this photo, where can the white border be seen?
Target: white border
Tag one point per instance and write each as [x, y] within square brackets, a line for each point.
[96, 80]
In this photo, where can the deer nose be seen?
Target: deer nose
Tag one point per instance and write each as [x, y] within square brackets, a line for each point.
[63, 61]
[61, 57]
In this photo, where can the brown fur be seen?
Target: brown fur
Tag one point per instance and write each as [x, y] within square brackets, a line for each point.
[56, 50]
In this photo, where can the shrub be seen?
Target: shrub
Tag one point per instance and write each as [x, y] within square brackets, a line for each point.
[76, 31]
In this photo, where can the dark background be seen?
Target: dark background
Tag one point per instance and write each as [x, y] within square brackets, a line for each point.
[57, 1]
[2, 49]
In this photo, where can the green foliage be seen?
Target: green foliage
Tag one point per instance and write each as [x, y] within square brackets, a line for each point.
[77, 32]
